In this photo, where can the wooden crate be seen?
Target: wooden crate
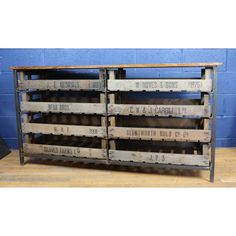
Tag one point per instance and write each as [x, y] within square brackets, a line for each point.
[159, 152]
[65, 146]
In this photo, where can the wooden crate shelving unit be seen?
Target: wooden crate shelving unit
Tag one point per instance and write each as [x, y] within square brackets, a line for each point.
[157, 122]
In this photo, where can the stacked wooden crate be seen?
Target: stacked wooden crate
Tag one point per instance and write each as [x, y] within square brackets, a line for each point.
[63, 117]
[113, 119]
[159, 130]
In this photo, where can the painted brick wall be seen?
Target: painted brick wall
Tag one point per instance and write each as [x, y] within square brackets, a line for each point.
[226, 113]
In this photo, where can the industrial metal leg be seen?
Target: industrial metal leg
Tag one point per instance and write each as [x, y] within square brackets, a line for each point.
[212, 173]
[212, 169]
[18, 118]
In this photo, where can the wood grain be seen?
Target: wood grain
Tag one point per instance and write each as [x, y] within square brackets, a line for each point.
[161, 158]
[53, 85]
[112, 100]
[64, 151]
[159, 110]
[167, 65]
[57, 107]
[188, 135]
[65, 174]
[68, 130]
[162, 85]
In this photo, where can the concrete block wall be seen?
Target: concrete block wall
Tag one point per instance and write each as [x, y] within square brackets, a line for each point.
[226, 102]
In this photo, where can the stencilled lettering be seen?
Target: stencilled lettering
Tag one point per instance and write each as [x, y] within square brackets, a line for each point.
[195, 84]
[61, 129]
[140, 133]
[157, 84]
[165, 133]
[52, 107]
[157, 110]
[93, 131]
[58, 107]
[69, 84]
[48, 149]
[61, 150]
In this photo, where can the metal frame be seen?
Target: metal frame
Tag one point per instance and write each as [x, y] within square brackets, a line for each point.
[106, 114]
[213, 128]
[110, 162]
[18, 117]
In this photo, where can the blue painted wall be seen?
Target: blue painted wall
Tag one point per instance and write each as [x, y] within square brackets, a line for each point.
[226, 114]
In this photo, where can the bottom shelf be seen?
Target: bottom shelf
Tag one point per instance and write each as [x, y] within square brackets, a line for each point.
[159, 158]
[117, 155]
[111, 163]
[124, 151]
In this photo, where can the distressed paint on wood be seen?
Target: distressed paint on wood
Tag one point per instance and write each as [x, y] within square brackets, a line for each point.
[57, 107]
[160, 134]
[75, 85]
[162, 158]
[159, 110]
[165, 85]
[64, 151]
[77, 130]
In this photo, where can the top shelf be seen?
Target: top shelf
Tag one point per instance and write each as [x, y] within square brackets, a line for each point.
[123, 66]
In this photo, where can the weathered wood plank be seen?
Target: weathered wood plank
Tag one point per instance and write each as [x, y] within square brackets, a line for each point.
[206, 74]
[102, 77]
[167, 65]
[75, 85]
[112, 100]
[162, 158]
[77, 130]
[25, 98]
[165, 85]
[57, 107]
[64, 151]
[159, 110]
[160, 134]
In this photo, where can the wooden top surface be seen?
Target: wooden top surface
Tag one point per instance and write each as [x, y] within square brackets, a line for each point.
[171, 65]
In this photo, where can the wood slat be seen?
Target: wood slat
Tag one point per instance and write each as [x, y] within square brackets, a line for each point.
[164, 85]
[160, 134]
[26, 117]
[75, 85]
[64, 151]
[112, 100]
[159, 110]
[77, 130]
[162, 158]
[57, 107]
[167, 65]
